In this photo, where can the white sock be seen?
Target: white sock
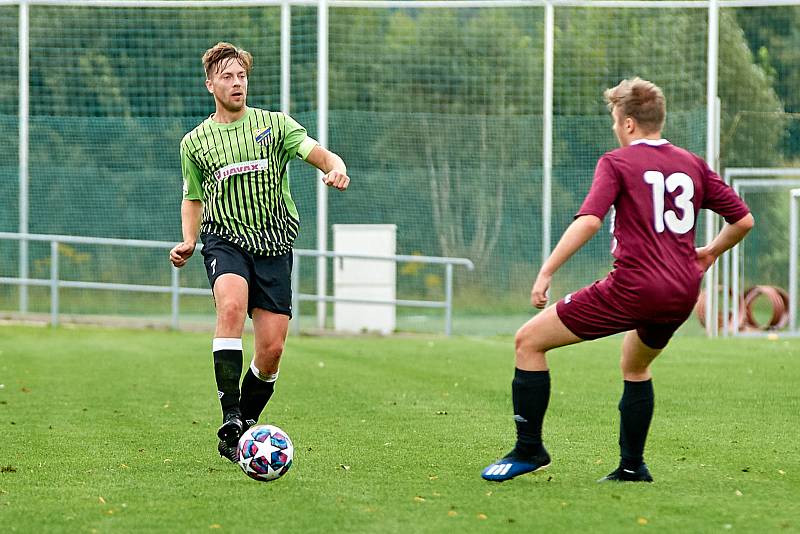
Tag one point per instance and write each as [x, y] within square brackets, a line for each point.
[261, 376]
[227, 343]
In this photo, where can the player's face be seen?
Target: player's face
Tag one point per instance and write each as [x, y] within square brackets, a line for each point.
[229, 85]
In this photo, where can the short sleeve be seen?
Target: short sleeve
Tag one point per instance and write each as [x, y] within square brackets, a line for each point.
[296, 141]
[192, 177]
[604, 190]
[720, 198]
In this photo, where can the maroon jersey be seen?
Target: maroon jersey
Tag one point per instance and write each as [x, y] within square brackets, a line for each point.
[656, 190]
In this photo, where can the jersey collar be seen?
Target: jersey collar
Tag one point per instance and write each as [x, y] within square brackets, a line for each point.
[230, 125]
[651, 142]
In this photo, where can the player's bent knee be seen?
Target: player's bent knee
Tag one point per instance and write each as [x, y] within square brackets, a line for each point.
[520, 340]
[527, 350]
[525, 341]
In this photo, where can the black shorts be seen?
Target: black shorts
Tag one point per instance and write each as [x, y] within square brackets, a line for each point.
[269, 278]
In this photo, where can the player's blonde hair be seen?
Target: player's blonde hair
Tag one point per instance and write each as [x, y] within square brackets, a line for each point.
[215, 57]
[641, 100]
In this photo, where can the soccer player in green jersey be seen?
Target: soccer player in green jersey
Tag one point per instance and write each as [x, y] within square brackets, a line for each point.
[236, 197]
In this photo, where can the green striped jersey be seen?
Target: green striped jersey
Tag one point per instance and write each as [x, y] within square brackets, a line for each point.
[239, 172]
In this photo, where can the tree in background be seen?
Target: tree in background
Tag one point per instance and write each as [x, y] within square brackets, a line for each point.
[452, 102]
[461, 81]
[439, 110]
[773, 35]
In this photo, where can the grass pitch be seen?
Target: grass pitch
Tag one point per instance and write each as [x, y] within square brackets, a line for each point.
[113, 431]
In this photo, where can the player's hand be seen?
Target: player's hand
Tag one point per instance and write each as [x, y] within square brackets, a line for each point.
[336, 179]
[539, 291]
[705, 258]
[181, 253]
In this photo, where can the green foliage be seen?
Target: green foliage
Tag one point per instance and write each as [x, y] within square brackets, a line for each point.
[752, 123]
[775, 34]
[436, 111]
[447, 105]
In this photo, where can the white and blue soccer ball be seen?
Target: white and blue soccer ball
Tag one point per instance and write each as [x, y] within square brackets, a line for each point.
[265, 452]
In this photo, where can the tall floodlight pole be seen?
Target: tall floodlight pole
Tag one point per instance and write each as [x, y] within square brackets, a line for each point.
[322, 132]
[547, 125]
[24, 113]
[711, 154]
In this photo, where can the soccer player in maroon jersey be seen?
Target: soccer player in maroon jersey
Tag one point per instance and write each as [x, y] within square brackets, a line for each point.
[656, 190]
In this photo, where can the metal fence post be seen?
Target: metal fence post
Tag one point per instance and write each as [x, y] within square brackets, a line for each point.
[295, 293]
[547, 126]
[24, 156]
[286, 55]
[54, 283]
[448, 310]
[794, 220]
[175, 297]
[726, 296]
[322, 133]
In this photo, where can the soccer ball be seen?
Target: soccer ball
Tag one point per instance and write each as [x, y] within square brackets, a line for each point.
[265, 452]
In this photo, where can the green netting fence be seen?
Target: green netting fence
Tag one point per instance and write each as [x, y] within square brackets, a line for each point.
[438, 112]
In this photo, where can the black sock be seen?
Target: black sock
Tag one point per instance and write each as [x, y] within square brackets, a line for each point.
[636, 411]
[530, 393]
[255, 395]
[228, 371]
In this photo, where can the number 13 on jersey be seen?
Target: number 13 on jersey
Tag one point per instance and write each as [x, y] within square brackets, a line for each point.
[683, 201]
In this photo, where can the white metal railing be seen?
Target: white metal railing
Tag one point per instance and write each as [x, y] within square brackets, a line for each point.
[447, 303]
[54, 282]
[794, 238]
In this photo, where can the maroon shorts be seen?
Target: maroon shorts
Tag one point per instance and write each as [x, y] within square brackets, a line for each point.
[589, 313]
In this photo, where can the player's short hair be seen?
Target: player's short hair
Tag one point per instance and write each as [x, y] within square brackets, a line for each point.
[216, 56]
[641, 100]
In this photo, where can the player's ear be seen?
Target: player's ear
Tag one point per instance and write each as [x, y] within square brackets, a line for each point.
[630, 124]
[209, 86]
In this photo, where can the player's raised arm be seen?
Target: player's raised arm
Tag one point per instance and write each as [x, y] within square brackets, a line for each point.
[332, 165]
[575, 236]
